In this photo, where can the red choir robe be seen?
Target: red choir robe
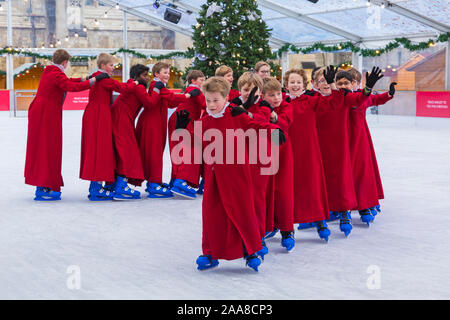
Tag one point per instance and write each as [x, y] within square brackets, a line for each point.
[366, 175]
[44, 143]
[284, 178]
[97, 150]
[194, 106]
[229, 219]
[310, 191]
[332, 129]
[151, 132]
[124, 112]
[233, 94]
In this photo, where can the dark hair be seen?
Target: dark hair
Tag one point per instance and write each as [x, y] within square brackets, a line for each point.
[137, 70]
[344, 74]
[313, 72]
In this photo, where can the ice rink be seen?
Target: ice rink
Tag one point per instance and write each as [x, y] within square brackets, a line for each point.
[147, 249]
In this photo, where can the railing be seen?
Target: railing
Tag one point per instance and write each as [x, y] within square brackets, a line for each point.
[23, 99]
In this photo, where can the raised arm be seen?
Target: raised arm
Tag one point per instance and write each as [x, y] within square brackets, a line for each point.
[65, 84]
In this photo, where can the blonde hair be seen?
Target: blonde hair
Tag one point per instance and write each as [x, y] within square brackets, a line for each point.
[223, 70]
[355, 74]
[300, 72]
[319, 73]
[157, 67]
[260, 64]
[104, 58]
[60, 56]
[271, 84]
[249, 78]
[217, 84]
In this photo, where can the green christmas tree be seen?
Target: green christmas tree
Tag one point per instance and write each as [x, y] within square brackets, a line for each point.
[232, 33]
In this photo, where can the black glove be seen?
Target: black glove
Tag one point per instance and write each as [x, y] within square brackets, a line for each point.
[195, 93]
[392, 88]
[281, 137]
[89, 77]
[310, 93]
[102, 76]
[235, 111]
[251, 98]
[288, 99]
[373, 77]
[159, 85]
[330, 74]
[264, 103]
[182, 119]
[237, 101]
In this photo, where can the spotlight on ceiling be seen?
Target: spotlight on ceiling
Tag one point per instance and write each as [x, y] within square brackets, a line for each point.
[172, 15]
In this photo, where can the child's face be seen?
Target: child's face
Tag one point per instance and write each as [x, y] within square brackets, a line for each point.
[163, 75]
[215, 102]
[264, 72]
[295, 84]
[344, 83]
[356, 85]
[274, 98]
[109, 67]
[245, 91]
[144, 77]
[199, 81]
[229, 77]
[322, 85]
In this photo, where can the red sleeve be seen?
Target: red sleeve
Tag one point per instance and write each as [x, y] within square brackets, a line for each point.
[348, 99]
[117, 86]
[173, 99]
[66, 84]
[144, 98]
[75, 79]
[377, 99]
[285, 117]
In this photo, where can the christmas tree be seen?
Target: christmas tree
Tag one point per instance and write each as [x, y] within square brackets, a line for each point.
[232, 33]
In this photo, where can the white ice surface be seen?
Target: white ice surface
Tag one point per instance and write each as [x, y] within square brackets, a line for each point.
[147, 249]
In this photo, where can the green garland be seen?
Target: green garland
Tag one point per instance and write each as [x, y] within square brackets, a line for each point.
[349, 46]
[189, 54]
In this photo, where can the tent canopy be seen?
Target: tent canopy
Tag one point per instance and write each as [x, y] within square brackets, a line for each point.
[302, 22]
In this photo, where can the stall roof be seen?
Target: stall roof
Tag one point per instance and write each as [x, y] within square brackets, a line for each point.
[302, 22]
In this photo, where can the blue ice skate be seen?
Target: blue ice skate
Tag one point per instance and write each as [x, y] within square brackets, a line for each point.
[98, 193]
[303, 226]
[373, 211]
[201, 187]
[206, 262]
[253, 261]
[366, 216]
[334, 216]
[264, 250]
[110, 186]
[270, 234]
[181, 188]
[322, 230]
[46, 194]
[287, 240]
[378, 208]
[160, 191]
[123, 192]
[346, 222]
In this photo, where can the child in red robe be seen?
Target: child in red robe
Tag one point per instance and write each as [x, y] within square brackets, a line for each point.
[332, 128]
[310, 193]
[44, 143]
[97, 149]
[227, 73]
[195, 107]
[283, 214]
[124, 111]
[151, 130]
[230, 223]
[366, 175]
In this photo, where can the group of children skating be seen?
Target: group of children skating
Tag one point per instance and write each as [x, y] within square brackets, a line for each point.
[325, 160]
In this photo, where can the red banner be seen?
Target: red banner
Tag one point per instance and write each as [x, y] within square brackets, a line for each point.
[76, 100]
[4, 100]
[433, 104]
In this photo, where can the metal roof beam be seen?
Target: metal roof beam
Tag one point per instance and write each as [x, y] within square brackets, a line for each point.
[291, 13]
